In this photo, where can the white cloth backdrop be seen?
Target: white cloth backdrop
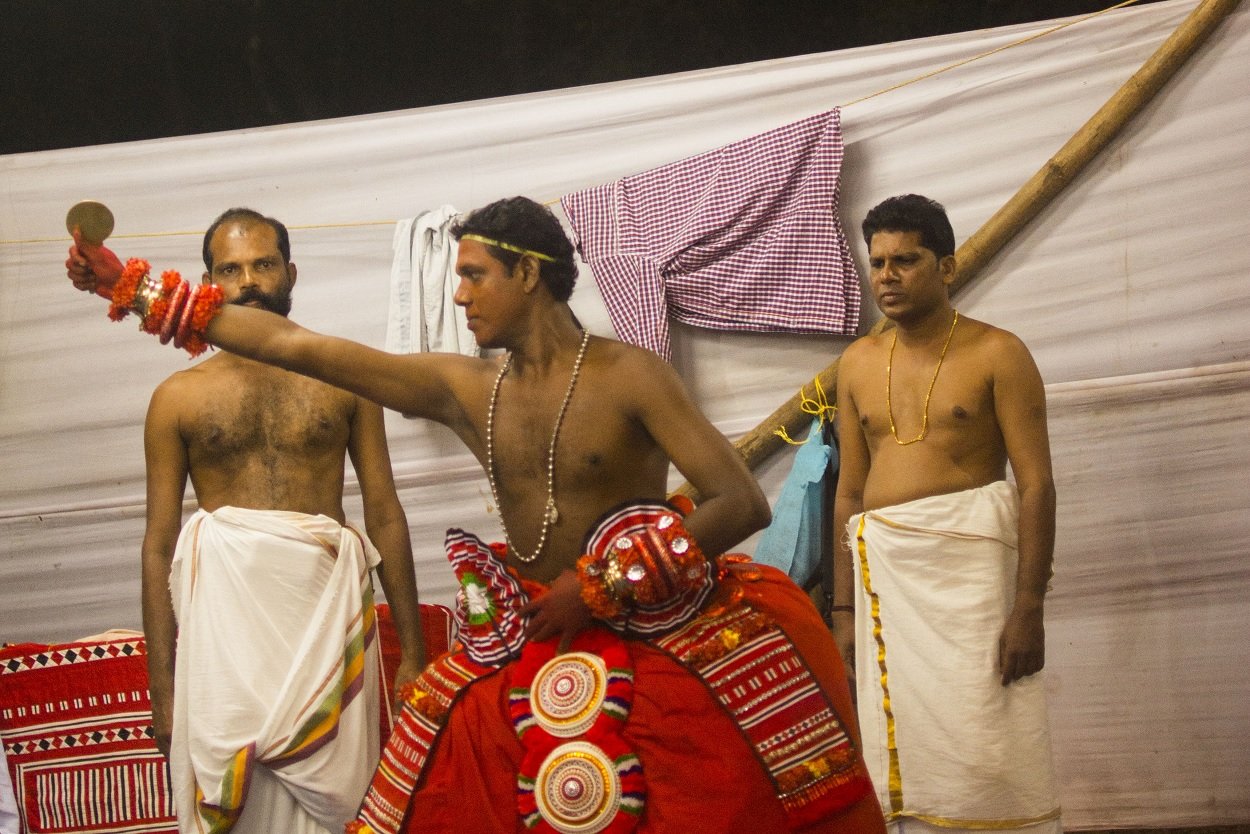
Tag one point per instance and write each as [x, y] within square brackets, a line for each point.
[1131, 290]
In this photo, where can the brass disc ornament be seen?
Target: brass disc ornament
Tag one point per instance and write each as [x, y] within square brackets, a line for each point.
[93, 219]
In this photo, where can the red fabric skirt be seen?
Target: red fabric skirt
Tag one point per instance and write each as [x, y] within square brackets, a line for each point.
[701, 774]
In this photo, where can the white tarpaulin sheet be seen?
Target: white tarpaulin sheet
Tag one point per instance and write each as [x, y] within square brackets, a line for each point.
[1131, 289]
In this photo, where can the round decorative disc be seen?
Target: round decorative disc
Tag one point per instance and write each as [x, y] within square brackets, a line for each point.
[567, 693]
[92, 218]
[577, 789]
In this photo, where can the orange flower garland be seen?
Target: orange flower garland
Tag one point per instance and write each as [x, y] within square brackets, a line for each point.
[127, 285]
[174, 310]
[594, 592]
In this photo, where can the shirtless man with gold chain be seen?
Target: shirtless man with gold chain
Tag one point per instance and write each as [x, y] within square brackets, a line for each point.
[941, 563]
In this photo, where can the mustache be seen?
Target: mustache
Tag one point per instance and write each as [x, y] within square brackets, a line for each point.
[269, 302]
[252, 294]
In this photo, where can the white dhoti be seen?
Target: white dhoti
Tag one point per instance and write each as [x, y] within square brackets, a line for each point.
[946, 743]
[276, 683]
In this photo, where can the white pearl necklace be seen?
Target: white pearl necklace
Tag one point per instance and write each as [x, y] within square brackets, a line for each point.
[551, 515]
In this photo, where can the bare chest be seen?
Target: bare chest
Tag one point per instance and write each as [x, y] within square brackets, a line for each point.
[589, 443]
[908, 400]
[530, 437]
[249, 415]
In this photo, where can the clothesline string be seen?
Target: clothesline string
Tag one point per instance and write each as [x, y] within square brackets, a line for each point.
[969, 60]
[990, 52]
[890, 89]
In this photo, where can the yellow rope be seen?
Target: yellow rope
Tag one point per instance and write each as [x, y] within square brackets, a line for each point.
[818, 407]
[552, 202]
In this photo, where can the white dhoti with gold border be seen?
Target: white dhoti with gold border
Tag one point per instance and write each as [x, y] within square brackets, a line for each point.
[276, 682]
[946, 743]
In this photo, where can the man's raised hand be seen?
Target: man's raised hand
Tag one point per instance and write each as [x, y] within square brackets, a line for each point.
[92, 267]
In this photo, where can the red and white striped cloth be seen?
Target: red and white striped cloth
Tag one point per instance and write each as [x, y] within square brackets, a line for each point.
[744, 237]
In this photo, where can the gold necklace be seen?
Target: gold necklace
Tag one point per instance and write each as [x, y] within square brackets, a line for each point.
[551, 515]
[889, 375]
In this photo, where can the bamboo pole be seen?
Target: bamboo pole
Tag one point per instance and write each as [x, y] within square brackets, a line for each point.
[761, 442]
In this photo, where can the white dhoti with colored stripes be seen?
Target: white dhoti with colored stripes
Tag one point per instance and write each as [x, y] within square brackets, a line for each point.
[276, 683]
[946, 743]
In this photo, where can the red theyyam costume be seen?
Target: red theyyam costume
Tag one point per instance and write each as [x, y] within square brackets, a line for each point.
[723, 707]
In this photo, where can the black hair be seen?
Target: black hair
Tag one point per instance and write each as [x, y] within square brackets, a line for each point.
[250, 216]
[523, 223]
[913, 213]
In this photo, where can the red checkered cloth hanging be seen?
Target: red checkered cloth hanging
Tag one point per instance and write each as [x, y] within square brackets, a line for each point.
[744, 237]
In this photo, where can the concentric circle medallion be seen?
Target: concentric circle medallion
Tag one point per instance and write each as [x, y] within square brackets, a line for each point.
[567, 694]
[577, 789]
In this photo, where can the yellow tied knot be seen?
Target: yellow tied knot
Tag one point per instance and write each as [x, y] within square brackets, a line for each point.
[730, 638]
[818, 407]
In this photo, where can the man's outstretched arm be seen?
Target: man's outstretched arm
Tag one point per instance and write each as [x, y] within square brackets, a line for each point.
[419, 385]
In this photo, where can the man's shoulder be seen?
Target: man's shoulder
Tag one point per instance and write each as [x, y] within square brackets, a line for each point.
[861, 350]
[186, 380]
[223, 379]
[623, 356]
[209, 372]
[628, 374]
[864, 344]
[990, 339]
[180, 393]
[993, 354]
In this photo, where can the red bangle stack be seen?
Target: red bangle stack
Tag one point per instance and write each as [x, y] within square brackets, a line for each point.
[171, 309]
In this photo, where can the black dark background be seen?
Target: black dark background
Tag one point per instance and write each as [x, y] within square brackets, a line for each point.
[87, 72]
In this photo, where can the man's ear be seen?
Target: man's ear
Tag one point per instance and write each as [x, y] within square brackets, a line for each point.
[947, 267]
[206, 278]
[291, 272]
[528, 270]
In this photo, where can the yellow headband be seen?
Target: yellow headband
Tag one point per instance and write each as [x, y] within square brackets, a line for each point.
[510, 247]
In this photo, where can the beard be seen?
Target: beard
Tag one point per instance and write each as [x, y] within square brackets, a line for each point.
[277, 302]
